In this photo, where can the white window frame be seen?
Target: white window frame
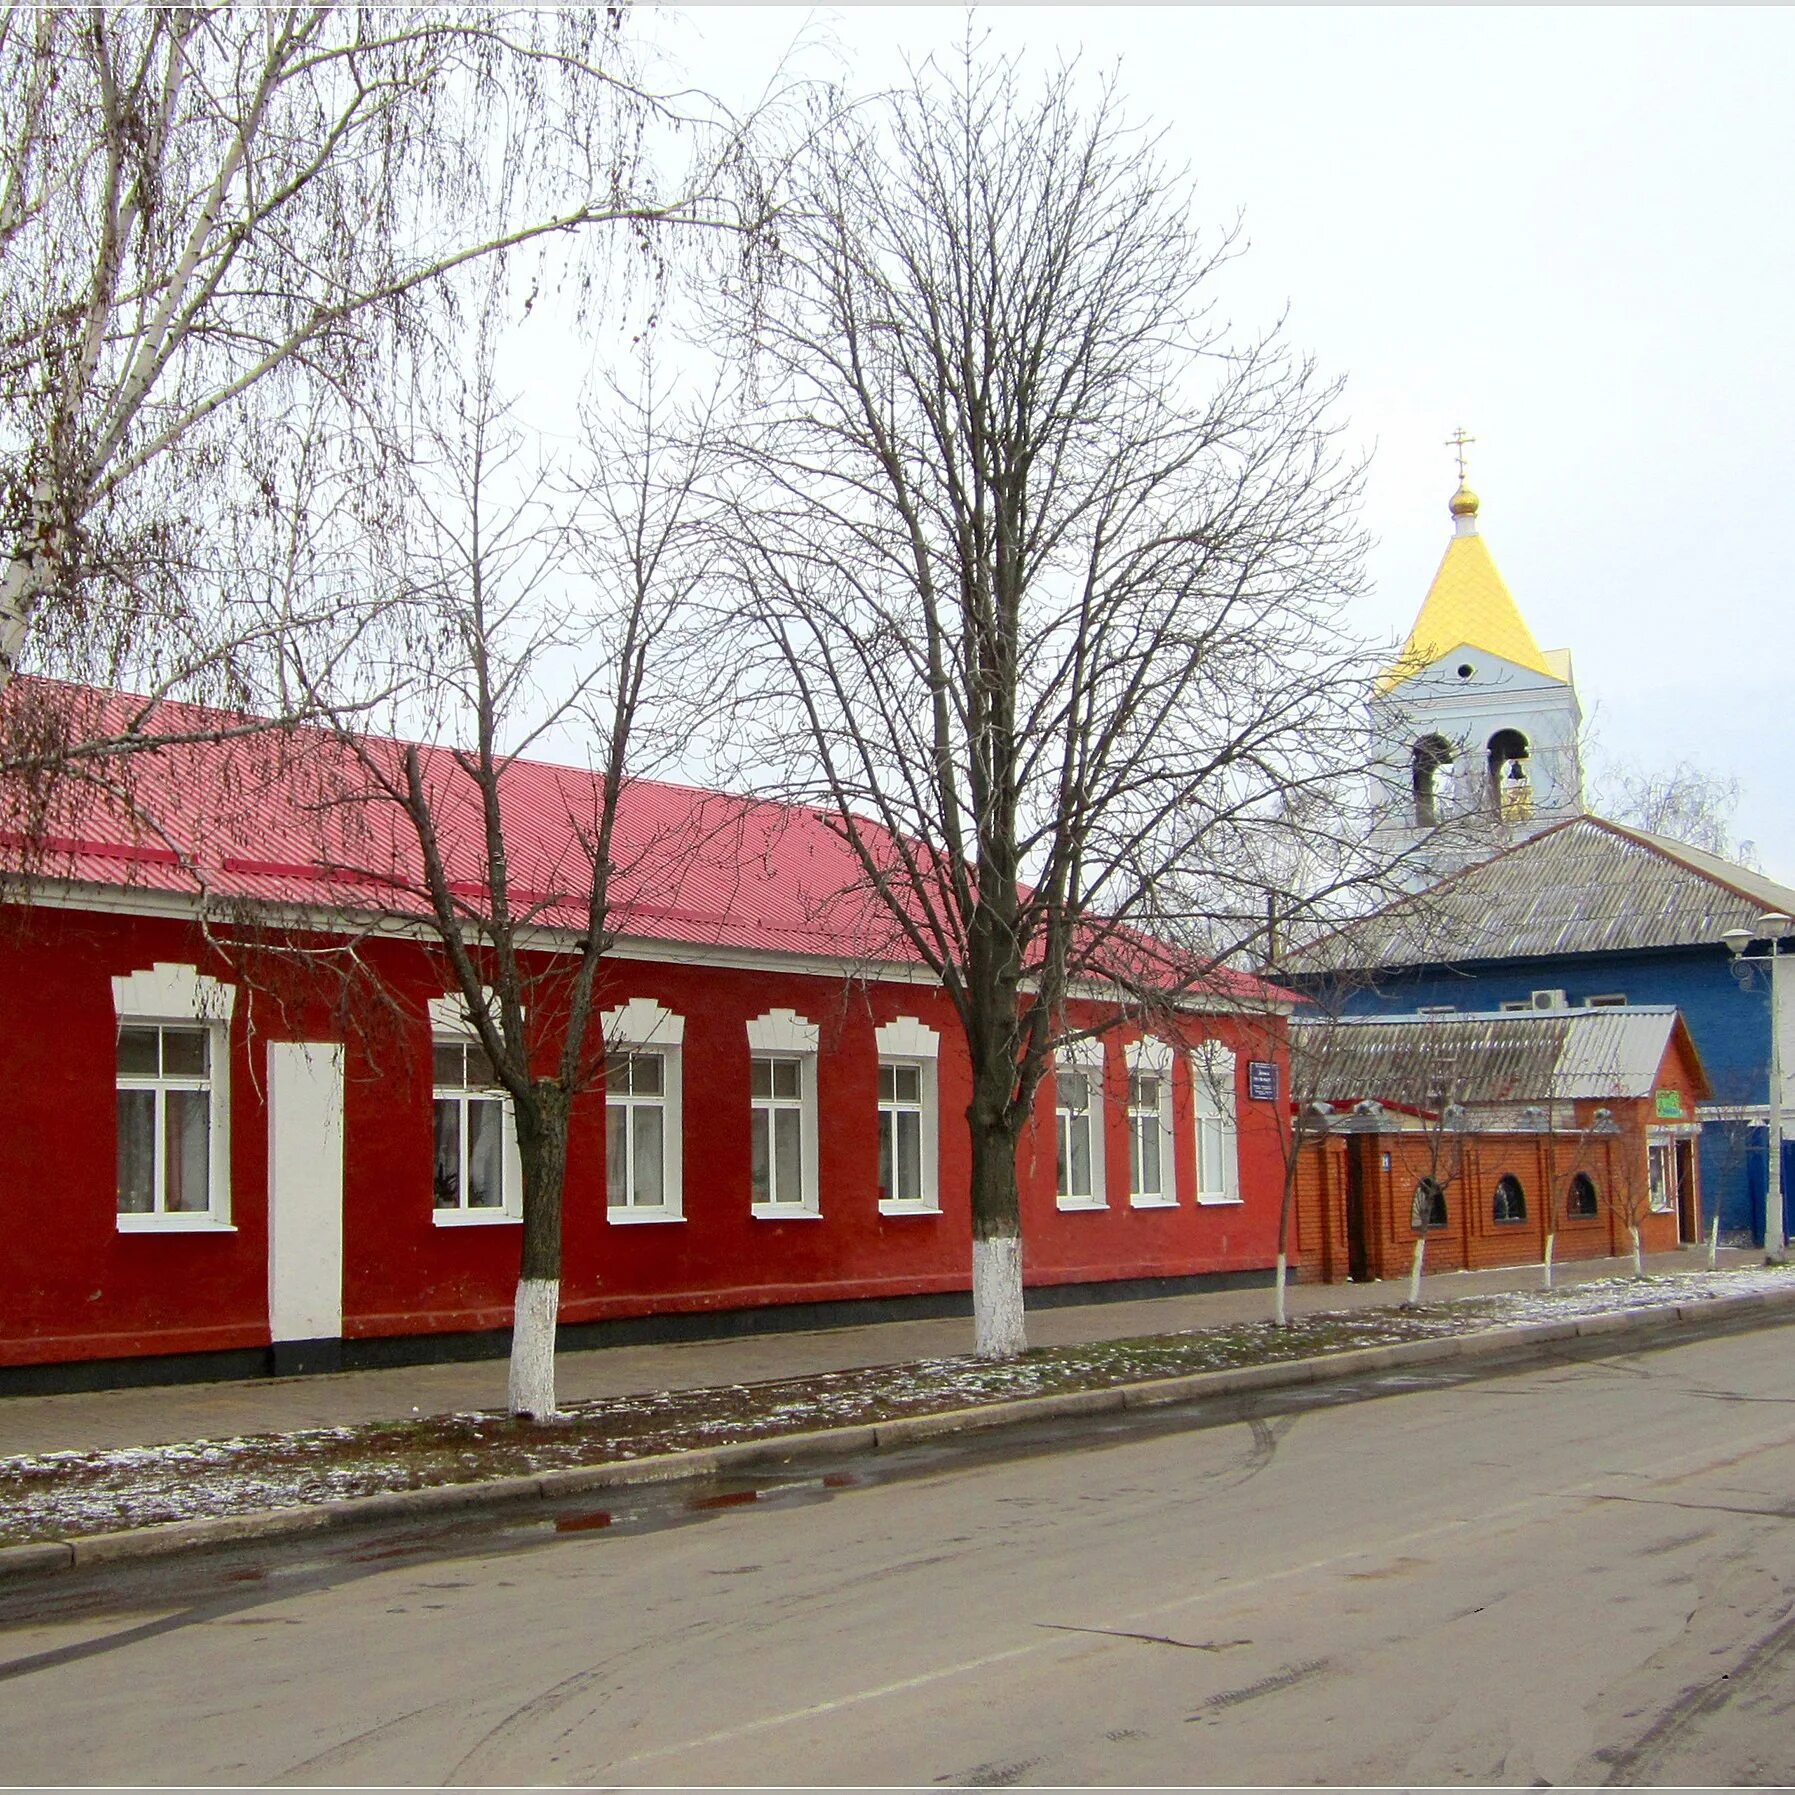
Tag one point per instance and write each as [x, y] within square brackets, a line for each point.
[450, 1026]
[1606, 1000]
[643, 1026]
[1215, 1103]
[785, 1035]
[906, 1041]
[1661, 1193]
[1084, 1056]
[1152, 1058]
[171, 995]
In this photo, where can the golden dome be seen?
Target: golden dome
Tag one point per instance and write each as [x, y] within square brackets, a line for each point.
[1469, 606]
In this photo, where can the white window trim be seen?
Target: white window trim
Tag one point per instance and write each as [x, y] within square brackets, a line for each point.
[642, 1025]
[784, 1034]
[449, 1014]
[1667, 1203]
[1149, 1054]
[1084, 1056]
[181, 995]
[1215, 1072]
[906, 1040]
[451, 1025]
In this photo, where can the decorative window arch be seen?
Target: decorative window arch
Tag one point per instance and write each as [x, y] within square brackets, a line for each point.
[449, 1013]
[1580, 1200]
[1510, 1201]
[170, 992]
[1430, 1206]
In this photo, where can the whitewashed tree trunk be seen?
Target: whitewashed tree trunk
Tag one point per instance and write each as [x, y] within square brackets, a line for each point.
[1638, 1251]
[1714, 1244]
[1546, 1263]
[532, 1390]
[998, 1328]
[1415, 1266]
[1278, 1309]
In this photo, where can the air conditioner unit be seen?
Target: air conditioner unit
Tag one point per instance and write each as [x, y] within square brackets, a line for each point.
[1550, 1000]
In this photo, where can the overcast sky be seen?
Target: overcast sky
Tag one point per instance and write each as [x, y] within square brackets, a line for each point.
[1568, 230]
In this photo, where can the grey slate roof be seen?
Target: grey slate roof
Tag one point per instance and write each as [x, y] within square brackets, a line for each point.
[1583, 886]
[1424, 1062]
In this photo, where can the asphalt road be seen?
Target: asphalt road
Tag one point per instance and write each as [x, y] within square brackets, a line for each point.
[1578, 1573]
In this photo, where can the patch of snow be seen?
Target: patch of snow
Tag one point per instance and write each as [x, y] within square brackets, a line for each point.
[54, 1494]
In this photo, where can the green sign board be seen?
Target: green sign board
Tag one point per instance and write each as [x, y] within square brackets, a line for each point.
[1670, 1106]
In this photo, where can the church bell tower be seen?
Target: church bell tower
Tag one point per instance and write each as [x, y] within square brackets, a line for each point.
[1477, 724]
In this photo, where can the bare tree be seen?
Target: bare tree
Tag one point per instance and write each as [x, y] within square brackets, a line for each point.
[1570, 1157]
[213, 217]
[1433, 1097]
[541, 605]
[1039, 577]
[1684, 801]
[1631, 1181]
[90, 748]
[1321, 865]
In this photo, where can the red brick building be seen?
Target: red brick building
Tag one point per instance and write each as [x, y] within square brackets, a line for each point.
[1485, 1135]
[219, 1161]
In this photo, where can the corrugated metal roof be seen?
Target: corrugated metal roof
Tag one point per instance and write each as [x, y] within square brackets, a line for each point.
[1425, 1062]
[283, 818]
[1586, 885]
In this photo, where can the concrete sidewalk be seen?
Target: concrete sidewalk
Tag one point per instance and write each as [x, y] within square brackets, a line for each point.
[111, 1419]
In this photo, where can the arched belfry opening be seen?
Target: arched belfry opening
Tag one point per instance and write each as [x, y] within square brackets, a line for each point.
[1510, 778]
[1432, 772]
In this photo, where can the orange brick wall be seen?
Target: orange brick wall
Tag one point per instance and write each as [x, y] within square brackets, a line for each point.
[1389, 1166]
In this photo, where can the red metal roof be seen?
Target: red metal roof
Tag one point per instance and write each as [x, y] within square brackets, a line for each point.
[287, 818]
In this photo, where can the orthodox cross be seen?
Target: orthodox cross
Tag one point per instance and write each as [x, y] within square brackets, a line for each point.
[1458, 440]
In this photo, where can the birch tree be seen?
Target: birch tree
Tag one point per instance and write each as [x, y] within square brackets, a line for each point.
[1037, 572]
[212, 216]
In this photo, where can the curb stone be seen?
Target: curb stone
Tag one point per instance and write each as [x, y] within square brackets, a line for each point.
[831, 1442]
[1604, 1324]
[205, 1530]
[38, 1556]
[1518, 1340]
[661, 1467]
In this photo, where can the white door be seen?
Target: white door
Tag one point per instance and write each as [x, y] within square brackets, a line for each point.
[305, 1190]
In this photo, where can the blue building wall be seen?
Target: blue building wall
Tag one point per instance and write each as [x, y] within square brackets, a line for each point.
[1757, 1163]
[1730, 1028]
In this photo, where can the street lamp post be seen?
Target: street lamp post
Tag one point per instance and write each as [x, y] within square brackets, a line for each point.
[1771, 927]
